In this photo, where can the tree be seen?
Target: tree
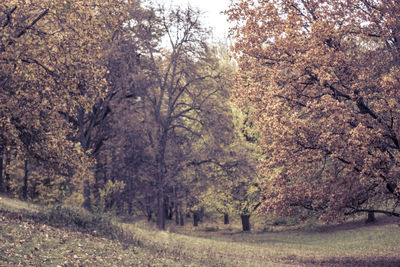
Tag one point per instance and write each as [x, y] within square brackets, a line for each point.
[184, 80]
[97, 125]
[323, 79]
[50, 68]
[233, 184]
[233, 189]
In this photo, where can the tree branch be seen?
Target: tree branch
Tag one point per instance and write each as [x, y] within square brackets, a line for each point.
[8, 14]
[24, 30]
[388, 213]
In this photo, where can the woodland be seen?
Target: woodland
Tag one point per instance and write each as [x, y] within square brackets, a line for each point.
[130, 108]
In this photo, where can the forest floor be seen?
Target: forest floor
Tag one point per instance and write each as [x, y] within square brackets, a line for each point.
[32, 235]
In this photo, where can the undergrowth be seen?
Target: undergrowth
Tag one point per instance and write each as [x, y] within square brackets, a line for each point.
[80, 220]
[70, 218]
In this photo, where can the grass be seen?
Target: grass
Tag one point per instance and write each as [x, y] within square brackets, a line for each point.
[376, 245]
[34, 236]
[41, 236]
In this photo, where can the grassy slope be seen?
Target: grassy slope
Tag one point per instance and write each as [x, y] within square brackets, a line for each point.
[29, 242]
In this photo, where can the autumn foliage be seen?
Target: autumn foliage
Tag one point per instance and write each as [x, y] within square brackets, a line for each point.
[51, 67]
[125, 106]
[324, 79]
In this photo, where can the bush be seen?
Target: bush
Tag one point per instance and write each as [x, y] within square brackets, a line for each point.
[280, 221]
[211, 229]
[81, 220]
[285, 221]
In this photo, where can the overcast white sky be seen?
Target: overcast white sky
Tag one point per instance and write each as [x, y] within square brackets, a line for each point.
[212, 16]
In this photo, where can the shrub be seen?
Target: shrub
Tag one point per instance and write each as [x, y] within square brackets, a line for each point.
[80, 220]
[211, 229]
[280, 221]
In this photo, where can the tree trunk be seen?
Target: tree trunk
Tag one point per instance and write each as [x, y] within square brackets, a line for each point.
[130, 195]
[181, 218]
[149, 210]
[167, 209]
[176, 205]
[226, 218]
[201, 214]
[149, 213]
[161, 176]
[171, 212]
[119, 206]
[6, 174]
[176, 215]
[25, 188]
[161, 211]
[130, 207]
[87, 203]
[245, 222]
[1, 173]
[371, 217]
[196, 219]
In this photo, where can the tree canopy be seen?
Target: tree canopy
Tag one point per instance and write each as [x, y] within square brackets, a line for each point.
[127, 107]
[51, 70]
[50, 67]
[323, 78]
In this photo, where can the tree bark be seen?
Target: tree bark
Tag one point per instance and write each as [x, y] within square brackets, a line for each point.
[196, 219]
[176, 214]
[226, 218]
[129, 196]
[130, 207]
[245, 222]
[181, 218]
[7, 174]
[371, 217]
[201, 214]
[1, 173]
[149, 207]
[161, 175]
[25, 188]
[87, 203]
[161, 210]
[171, 212]
[168, 209]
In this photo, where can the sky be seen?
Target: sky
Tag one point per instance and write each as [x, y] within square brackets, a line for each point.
[211, 17]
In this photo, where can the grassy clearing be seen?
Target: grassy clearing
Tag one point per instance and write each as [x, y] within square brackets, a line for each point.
[35, 236]
[358, 245]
